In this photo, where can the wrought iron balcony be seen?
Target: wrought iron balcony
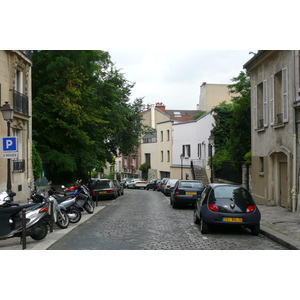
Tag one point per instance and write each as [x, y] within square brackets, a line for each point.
[20, 103]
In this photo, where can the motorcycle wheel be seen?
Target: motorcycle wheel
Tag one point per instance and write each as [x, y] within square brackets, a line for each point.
[40, 231]
[63, 220]
[77, 212]
[89, 207]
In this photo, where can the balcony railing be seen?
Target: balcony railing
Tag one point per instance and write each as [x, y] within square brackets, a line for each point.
[20, 103]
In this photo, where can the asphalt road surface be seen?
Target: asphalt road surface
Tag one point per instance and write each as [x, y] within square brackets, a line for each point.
[145, 220]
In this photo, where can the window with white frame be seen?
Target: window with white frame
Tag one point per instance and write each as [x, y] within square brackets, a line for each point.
[261, 105]
[186, 151]
[199, 150]
[279, 97]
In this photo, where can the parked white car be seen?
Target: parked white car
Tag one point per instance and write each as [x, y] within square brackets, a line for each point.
[137, 183]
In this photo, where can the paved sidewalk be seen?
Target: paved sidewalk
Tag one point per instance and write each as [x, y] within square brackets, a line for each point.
[50, 239]
[277, 223]
[281, 225]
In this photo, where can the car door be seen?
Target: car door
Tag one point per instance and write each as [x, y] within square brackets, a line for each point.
[203, 198]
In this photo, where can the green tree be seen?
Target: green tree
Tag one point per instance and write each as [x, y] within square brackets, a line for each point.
[81, 111]
[199, 114]
[240, 126]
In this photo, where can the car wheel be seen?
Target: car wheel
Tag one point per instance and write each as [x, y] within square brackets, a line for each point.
[196, 219]
[203, 227]
[255, 230]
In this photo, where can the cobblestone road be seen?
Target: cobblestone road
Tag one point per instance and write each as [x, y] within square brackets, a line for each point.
[145, 220]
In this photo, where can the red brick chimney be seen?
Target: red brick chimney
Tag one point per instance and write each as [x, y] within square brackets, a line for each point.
[160, 106]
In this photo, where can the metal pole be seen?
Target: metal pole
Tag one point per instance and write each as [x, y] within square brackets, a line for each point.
[24, 229]
[181, 168]
[211, 165]
[8, 185]
[51, 215]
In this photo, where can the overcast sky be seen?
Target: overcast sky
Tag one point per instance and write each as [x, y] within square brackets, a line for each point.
[175, 77]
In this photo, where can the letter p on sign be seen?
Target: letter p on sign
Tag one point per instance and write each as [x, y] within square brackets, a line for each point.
[9, 144]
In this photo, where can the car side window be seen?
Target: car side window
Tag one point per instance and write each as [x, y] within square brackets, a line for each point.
[204, 195]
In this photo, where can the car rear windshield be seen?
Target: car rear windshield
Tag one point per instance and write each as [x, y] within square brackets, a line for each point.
[191, 185]
[225, 195]
[102, 185]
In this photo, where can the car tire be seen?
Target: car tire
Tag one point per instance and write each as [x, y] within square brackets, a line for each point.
[196, 219]
[255, 230]
[174, 205]
[203, 227]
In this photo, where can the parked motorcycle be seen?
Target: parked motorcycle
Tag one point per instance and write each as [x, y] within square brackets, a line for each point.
[11, 218]
[83, 199]
[70, 204]
[60, 215]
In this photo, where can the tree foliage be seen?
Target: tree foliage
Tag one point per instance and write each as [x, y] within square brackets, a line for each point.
[81, 111]
[240, 125]
[232, 128]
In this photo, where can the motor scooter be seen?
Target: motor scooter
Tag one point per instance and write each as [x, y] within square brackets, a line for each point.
[84, 200]
[11, 218]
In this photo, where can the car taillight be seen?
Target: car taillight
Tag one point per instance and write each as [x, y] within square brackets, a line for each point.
[168, 186]
[110, 191]
[250, 209]
[94, 193]
[213, 207]
[176, 193]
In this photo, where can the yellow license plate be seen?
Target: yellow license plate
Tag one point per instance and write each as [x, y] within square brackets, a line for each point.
[233, 220]
[104, 192]
[191, 193]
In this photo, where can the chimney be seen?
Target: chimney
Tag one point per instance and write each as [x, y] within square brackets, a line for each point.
[161, 106]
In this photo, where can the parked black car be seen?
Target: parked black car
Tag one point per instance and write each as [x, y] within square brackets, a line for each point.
[153, 184]
[104, 189]
[185, 192]
[155, 187]
[226, 205]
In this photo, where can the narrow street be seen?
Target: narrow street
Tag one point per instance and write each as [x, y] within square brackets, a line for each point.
[145, 220]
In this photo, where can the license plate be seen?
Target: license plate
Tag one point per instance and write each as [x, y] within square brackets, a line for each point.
[191, 193]
[233, 220]
[103, 192]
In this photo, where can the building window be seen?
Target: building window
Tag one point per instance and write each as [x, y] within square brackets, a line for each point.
[162, 155]
[260, 106]
[148, 158]
[168, 155]
[161, 136]
[261, 164]
[168, 135]
[18, 165]
[186, 150]
[279, 98]
[199, 150]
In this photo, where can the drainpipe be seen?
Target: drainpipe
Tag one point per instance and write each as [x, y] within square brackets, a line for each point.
[294, 187]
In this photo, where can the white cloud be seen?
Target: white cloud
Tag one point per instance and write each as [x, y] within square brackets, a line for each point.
[175, 77]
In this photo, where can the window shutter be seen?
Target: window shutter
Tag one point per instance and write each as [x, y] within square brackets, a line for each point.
[272, 118]
[183, 150]
[189, 150]
[255, 106]
[285, 95]
[265, 103]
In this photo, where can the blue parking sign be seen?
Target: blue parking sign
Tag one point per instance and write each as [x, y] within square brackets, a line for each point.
[9, 144]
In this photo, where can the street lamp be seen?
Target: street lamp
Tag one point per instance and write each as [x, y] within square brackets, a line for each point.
[211, 141]
[181, 158]
[8, 115]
